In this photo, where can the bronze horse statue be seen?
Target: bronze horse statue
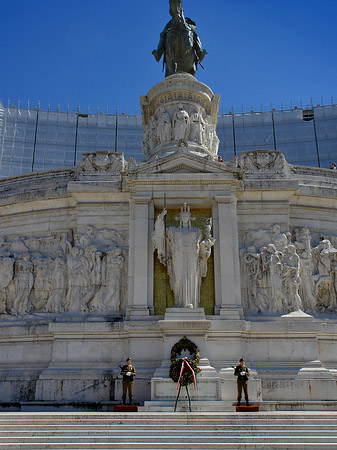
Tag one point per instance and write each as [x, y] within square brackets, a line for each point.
[179, 43]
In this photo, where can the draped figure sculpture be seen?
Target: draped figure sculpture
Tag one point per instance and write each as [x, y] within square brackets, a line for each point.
[179, 43]
[185, 250]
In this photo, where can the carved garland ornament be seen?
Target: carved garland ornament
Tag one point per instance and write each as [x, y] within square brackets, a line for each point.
[176, 362]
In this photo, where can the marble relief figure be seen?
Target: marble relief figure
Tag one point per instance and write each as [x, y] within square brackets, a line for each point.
[291, 277]
[164, 128]
[282, 272]
[197, 128]
[23, 284]
[58, 284]
[325, 257]
[181, 124]
[58, 274]
[185, 250]
[303, 247]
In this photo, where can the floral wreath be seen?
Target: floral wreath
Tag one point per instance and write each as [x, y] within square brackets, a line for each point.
[187, 375]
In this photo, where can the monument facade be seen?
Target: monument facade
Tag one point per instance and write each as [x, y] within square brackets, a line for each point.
[82, 250]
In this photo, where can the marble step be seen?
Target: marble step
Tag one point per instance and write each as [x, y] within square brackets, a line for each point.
[208, 431]
[172, 437]
[143, 431]
[158, 418]
[163, 416]
[167, 426]
[160, 445]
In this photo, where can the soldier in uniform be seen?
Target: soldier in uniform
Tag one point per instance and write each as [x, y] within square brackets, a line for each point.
[241, 371]
[129, 372]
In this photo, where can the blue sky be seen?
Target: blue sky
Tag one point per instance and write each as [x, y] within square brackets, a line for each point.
[99, 52]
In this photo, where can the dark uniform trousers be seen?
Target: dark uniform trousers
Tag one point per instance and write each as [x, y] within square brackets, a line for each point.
[242, 384]
[127, 386]
[128, 381]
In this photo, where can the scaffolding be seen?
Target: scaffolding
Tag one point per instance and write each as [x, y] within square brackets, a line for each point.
[33, 140]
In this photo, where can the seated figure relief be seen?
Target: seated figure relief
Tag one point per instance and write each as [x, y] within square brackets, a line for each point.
[59, 274]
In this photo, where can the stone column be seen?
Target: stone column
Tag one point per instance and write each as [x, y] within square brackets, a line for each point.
[139, 243]
[227, 263]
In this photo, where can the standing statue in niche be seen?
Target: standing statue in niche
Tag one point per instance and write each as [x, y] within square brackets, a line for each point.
[164, 130]
[185, 253]
[179, 43]
[181, 124]
[197, 127]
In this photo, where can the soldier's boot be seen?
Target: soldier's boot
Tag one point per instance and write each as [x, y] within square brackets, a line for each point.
[131, 399]
[124, 400]
[239, 402]
[247, 402]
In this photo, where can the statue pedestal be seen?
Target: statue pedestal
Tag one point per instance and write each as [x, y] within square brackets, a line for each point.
[180, 113]
[192, 323]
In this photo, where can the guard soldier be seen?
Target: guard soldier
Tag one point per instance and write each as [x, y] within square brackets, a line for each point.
[129, 372]
[241, 371]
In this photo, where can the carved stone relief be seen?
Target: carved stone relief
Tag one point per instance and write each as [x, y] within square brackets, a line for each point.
[264, 162]
[101, 161]
[103, 164]
[61, 274]
[177, 124]
[280, 276]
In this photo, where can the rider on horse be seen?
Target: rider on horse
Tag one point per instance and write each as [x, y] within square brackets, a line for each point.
[179, 43]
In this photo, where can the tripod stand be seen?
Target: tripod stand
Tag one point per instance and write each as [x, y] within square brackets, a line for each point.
[188, 396]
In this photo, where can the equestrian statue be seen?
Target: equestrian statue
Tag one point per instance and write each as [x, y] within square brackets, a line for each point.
[179, 43]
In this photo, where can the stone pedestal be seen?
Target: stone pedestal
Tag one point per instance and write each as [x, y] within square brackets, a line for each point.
[192, 323]
[180, 113]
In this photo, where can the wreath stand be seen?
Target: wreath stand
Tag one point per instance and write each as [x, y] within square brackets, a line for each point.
[181, 374]
[188, 396]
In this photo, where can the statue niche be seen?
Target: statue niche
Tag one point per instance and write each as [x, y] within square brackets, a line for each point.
[185, 251]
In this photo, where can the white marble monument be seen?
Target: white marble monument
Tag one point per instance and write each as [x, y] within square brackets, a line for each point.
[78, 270]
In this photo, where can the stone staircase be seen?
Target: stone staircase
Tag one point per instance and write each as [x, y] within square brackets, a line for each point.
[254, 431]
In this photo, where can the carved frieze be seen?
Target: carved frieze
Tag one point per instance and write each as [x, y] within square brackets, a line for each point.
[181, 125]
[180, 113]
[101, 162]
[282, 273]
[63, 273]
[264, 162]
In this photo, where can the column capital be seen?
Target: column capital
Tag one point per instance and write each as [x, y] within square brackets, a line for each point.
[142, 199]
[229, 198]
